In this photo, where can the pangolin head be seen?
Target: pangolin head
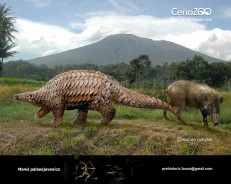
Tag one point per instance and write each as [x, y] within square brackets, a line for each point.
[27, 96]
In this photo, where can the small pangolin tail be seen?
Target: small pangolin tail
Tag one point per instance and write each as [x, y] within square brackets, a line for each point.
[135, 99]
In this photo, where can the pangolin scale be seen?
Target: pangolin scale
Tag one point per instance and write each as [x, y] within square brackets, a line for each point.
[86, 90]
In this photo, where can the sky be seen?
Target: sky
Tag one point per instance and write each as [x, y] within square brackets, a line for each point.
[52, 26]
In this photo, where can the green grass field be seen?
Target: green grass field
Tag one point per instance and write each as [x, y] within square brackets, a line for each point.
[134, 131]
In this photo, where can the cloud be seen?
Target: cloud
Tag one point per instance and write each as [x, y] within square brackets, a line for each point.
[218, 44]
[76, 25]
[226, 12]
[40, 3]
[38, 39]
[49, 52]
[124, 5]
[215, 43]
[142, 25]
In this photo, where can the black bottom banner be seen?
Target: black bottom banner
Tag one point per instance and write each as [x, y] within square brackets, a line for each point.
[115, 169]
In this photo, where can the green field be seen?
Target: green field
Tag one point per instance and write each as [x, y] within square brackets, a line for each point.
[134, 131]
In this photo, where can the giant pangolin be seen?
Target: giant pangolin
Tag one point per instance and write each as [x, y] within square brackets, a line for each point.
[86, 90]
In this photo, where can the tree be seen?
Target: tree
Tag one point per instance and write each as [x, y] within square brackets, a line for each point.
[138, 67]
[200, 70]
[219, 74]
[6, 32]
[6, 50]
[1, 68]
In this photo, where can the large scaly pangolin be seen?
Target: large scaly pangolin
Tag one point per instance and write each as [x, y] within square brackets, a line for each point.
[86, 90]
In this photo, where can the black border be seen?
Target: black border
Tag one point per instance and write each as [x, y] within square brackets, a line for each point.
[116, 169]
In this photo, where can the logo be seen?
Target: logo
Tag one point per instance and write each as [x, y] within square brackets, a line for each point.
[193, 12]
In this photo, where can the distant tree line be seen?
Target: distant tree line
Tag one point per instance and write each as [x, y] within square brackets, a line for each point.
[138, 71]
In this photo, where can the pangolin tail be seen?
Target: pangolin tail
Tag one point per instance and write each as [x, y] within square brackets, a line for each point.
[135, 99]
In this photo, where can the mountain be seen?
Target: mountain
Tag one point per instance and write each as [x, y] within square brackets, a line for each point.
[122, 48]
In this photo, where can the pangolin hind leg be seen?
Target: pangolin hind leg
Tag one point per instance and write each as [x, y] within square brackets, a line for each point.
[108, 112]
[105, 108]
[82, 116]
[58, 117]
[42, 112]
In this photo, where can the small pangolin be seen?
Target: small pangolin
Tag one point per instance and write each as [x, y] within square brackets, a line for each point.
[86, 90]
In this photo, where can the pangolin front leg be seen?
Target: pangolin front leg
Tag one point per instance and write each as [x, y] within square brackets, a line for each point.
[105, 108]
[82, 116]
[42, 112]
[58, 117]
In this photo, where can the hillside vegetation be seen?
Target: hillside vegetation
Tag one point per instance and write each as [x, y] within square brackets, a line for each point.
[138, 72]
[134, 131]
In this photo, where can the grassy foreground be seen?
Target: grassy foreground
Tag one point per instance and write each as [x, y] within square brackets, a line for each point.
[134, 131]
